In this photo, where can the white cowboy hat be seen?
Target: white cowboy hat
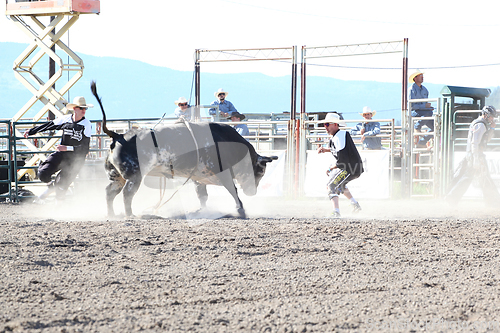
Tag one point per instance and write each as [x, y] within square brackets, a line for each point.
[417, 73]
[332, 118]
[181, 100]
[80, 102]
[220, 91]
[367, 109]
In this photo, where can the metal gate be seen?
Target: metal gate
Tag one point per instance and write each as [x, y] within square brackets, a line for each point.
[421, 167]
[5, 159]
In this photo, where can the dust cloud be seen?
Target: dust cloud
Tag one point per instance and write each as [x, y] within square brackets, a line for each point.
[177, 200]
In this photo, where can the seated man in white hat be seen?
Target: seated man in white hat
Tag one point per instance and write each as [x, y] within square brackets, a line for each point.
[69, 156]
[183, 109]
[226, 108]
[420, 109]
[368, 130]
[348, 164]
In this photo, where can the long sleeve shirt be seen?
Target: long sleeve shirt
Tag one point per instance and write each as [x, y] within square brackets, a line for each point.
[75, 134]
[417, 92]
[226, 107]
[242, 129]
[372, 129]
[186, 114]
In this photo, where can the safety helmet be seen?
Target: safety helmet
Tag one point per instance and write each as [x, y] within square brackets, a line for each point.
[489, 110]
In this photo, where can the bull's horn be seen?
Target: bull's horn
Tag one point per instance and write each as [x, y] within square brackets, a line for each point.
[266, 159]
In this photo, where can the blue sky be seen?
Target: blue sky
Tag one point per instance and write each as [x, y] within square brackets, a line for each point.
[455, 44]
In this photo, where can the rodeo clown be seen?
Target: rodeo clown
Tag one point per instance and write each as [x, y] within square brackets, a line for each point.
[69, 156]
[474, 167]
[348, 164]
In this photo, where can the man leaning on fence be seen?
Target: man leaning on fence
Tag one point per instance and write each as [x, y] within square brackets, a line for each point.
[226, 108]
[368, 130]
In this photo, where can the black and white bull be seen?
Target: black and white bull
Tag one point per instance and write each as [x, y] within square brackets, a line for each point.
[207, 153]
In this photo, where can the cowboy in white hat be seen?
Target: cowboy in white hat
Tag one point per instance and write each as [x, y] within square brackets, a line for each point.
[226, 108]
[183, 109]
[78, 101]
[420, 109]
[368, 130]
[69, 156]
[348, 164]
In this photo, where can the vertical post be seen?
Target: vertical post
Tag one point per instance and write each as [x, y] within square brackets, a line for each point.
[303, 81]
[197, 78]
[52, 68]
[197, 93]
[405, 120]
[293, 107]
[446, 137]
[293, 117]
[404, 99]
[302, 147]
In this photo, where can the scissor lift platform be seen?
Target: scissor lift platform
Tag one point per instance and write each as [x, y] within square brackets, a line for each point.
[44, 37]
[52, 7]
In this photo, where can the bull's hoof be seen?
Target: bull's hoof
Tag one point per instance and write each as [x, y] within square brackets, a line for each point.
[241, 213]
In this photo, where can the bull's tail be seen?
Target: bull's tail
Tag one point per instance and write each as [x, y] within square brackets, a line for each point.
[105, 129]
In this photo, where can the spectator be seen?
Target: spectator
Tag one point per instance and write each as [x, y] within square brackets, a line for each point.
[421, 109]
[368, 130]
[242, 129]
[69, 156]
[474, 165]
[183, 109]
[348, 164]
[226, 108]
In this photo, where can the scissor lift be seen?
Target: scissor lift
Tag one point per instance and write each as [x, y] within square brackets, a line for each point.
[42, 40]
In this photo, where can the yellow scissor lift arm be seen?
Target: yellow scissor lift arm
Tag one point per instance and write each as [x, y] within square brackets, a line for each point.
[42, 40]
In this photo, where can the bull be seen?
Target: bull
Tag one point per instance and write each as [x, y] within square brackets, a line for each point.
[207, 153]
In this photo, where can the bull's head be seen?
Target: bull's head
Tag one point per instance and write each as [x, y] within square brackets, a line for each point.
[259, 169]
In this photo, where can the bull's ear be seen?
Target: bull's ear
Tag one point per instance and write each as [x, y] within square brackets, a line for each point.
[273, 157]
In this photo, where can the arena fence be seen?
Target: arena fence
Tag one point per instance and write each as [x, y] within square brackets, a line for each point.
[5, 160]
[314, 135]
[269, 134]
[266, 136]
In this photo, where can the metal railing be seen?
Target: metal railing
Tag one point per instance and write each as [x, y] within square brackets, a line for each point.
[5, 159]
[263, 137]
[421, 167]
[315, 136]
[270, 133]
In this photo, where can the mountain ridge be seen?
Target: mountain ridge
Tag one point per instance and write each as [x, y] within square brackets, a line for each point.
[134, 89]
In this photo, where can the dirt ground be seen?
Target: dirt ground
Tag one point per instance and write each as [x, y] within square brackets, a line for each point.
[397, 266]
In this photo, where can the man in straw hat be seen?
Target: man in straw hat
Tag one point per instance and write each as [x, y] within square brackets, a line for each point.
[348, 164]
[421, 109]
[69, 156]
[183, 109]
[226, 108]
[368, 130]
